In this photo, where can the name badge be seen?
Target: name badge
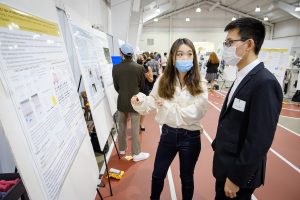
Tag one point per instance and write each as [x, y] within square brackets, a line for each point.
[239, 104]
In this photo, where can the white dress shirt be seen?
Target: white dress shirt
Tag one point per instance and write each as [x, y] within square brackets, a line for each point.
[182, 111]
[240, 75]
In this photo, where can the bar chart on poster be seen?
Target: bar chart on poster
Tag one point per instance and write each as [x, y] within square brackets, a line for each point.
[40, 108]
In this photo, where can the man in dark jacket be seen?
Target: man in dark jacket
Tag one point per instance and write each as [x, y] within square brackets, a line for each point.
[249, 116]
[128, 77]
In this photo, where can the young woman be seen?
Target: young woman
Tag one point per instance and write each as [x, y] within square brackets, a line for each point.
[212, 69]
[180, 98]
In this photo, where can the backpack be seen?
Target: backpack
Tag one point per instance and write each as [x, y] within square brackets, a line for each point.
[296, 96]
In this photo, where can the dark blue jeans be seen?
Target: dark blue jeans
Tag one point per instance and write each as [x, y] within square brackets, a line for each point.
[174, 140]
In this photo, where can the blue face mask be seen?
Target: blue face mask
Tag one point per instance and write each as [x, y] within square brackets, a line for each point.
[184, 65]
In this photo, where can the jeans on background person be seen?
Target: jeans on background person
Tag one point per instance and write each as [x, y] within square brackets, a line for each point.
[188, 145]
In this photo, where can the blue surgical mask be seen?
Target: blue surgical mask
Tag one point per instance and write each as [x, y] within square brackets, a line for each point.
[184, 65]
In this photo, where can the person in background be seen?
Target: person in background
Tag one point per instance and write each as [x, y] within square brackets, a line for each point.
[129, 79]
[212, 70]
[164, 60]
[180, 99]
[249, 115]
[154, 66]
[148, 82]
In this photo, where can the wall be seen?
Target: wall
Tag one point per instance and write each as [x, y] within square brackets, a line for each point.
[95, 11]
[163, 39]
[289, 30]
[205, 26]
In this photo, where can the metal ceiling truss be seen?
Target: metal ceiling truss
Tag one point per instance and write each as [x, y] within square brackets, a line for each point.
[199, 3]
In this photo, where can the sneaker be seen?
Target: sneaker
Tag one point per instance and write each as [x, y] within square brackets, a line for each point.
[141, 156]
[122, 152]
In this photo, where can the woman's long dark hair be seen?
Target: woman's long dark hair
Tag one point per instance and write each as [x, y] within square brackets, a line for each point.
[166, 87]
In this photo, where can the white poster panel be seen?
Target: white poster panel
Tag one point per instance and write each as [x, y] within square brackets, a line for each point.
[275, 55]
[103, 54]
[90, 67]
[40, 100]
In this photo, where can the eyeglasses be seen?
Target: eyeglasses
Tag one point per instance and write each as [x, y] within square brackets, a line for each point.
[228, 43]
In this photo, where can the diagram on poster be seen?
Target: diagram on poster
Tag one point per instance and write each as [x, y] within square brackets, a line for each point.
[39, 83]
[104, 57]
[88, 61]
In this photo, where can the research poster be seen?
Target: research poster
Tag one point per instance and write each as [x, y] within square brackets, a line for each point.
[275, 55]
[37, 79]
[103, 54]
[88, 58]
[90, 62]
[104, 57]
[275, 60]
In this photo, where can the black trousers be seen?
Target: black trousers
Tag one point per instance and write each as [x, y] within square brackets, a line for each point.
[188, 145]
[242, 194]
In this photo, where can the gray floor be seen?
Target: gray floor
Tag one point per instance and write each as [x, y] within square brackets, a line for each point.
[290, 123]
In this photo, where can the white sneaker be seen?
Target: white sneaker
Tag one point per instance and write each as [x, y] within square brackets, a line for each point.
[141, 156]
[122, 152]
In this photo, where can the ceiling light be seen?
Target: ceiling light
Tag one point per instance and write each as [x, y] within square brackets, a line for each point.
[157, 9]
[297, 9]
[187, 19]
[266, 18]
[257, 9]
[198, 9]
[155, 19]
[233, 18]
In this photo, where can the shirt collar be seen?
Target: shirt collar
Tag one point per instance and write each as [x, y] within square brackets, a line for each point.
[243, 72]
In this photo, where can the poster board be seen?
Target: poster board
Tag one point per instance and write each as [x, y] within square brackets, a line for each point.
[92, 77]
[105, 63]
[275, 55]
[40, 109]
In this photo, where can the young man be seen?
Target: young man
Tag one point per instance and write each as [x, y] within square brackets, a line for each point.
[249, 116]
[128, 77]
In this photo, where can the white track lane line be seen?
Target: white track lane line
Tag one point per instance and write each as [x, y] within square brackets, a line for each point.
[290, 117]
[210, 140]
[224, 95]
[171, 185]
[272, 150]
[291, 109]
[289, 130]
[170, 178]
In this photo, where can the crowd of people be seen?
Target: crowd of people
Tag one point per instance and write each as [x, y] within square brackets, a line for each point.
[174, 88]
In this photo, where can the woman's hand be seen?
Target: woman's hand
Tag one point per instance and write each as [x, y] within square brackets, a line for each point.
[159, 102]
[135, 100]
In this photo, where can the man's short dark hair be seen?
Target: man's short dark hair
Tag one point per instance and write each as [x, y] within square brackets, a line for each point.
[249, 28]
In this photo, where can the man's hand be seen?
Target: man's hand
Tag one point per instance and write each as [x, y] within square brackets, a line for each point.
[230, 189]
